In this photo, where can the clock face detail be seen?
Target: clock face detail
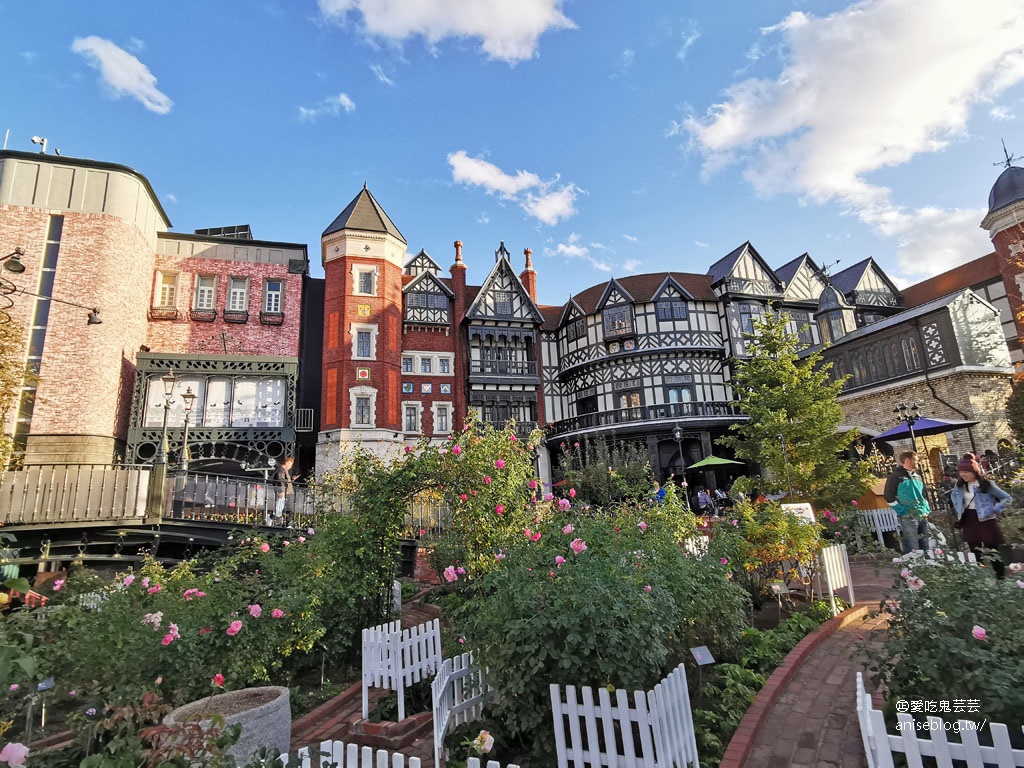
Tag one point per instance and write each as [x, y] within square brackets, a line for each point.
[363, 310]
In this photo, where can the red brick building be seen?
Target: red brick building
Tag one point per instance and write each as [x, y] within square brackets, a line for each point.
[105, 282]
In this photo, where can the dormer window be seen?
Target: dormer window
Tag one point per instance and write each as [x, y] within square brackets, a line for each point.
[671, 309]
[618, 321]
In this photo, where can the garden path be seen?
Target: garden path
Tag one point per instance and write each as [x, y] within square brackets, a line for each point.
[813, 722]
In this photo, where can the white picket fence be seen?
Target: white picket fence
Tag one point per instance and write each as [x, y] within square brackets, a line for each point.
[459, 692]
[933, 742]
[395, 658]
[601, 733]
[337, 754]
[697, 545]
[836, 565]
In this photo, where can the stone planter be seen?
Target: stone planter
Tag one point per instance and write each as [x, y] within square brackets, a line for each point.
[264, 714]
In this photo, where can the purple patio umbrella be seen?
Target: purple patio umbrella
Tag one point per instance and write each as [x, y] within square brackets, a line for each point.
[922, 428]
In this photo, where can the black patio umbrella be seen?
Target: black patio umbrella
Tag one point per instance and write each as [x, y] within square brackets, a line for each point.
[922, 428]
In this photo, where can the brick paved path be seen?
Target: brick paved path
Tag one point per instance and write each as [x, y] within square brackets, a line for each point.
[814, 720]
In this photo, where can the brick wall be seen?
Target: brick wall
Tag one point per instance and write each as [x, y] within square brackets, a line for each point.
[218, 337]
[980, 396]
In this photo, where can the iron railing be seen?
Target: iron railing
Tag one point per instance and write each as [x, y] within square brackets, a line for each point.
[73, 493]
[242, 501]
[503, 367]
[646, 413]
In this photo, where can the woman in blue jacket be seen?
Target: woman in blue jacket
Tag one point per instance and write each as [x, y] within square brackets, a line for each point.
[978, 502]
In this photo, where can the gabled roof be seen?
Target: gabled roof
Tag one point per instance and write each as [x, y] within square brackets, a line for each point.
[552, 317]
[502, 269]
[724, 267]
[644, 288]
[670, 282]
[847, 280]
[570, 305]
[721, 268]
[973, 273]
[609, 289]
[415, 284]
[422, 260]
[788, 271]
[364, 214]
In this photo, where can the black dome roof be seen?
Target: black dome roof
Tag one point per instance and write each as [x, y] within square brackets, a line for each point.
[1008, 189]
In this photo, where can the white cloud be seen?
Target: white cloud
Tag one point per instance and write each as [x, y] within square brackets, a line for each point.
[135, 45]
[540, 199]
[552, 207]
[332, 105]
[508, 31]
[573, 250]
[28, 56]
[863, 89]
[632, 265]
[690, 35]
[700, 244]
[379, 72]
[1001, 113]
[631, 238]
[171, 197]
[625, 63]
[124, 74]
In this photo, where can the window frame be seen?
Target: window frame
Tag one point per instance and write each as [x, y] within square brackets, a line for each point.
[268, 294]
[234, 290]
[360, 272]
[160, 285]
[204, 297]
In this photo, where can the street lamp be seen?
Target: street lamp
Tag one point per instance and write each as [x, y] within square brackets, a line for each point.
[189, 399]
[169, 383]
[909, 415]
[677, 433]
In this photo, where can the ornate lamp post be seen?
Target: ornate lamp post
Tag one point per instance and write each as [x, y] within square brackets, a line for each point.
[169, 382]
[677, 433]
[909, 415]
[189, 399]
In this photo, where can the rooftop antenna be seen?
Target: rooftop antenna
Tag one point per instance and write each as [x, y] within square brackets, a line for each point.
[41, 142]
[1010, 159]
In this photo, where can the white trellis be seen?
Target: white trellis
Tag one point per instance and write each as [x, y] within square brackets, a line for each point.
[931, 742]
[602, 733]
[395, 658]
[459, 692]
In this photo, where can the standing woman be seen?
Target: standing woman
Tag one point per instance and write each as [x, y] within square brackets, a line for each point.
[977, 502]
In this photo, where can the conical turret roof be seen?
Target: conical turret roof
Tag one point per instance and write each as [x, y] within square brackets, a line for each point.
[365, 214]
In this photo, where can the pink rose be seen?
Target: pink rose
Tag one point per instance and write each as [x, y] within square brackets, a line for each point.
[725, 561]
[456, 449]
[572, 493]
[549, 497]
[461, 571]
[14, 754]
[535, 537]
[499, 464]
[205, 630]
[302, 539]
[277, 613]
[905, 573]
[218, 680]
[533, 485]
[642, 525]
[564, 505]
[129, 579]
[450, 575]
[648, 589]
[234, 628]
[499, 509]
[463, 496]
[575, 445]
[153, 590]
[168, 639]
[915, 583]
[58, 585]
[979, 633]
[255, 610]
[145, 581]
[578, 546]
[264, 547]
[568, 529]
[408, 449]
[559, 560]
[487, 480]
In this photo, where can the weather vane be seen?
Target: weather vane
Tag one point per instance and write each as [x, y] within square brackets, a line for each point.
[1010, 159]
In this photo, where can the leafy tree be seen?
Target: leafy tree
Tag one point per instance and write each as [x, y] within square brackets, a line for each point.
[1015, 411]
[794, 418]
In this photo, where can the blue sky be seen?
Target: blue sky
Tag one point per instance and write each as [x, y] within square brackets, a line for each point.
[610, 138]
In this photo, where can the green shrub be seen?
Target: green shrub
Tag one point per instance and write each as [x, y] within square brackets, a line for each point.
[930, 652]
[620, 613]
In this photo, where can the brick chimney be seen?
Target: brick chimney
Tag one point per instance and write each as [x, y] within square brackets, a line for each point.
[458, 272]
[528, 277]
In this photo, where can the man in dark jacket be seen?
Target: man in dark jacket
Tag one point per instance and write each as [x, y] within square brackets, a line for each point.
[904, 490]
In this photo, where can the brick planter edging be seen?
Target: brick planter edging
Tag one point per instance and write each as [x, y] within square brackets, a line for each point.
[743, 740]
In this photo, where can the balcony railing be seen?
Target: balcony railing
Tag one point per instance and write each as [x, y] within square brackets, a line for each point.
[73, 493]
[503, 367]
[241, 501]
[523, 428]
[645, 413]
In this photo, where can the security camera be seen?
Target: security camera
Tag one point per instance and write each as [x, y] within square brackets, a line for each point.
[41, 142]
